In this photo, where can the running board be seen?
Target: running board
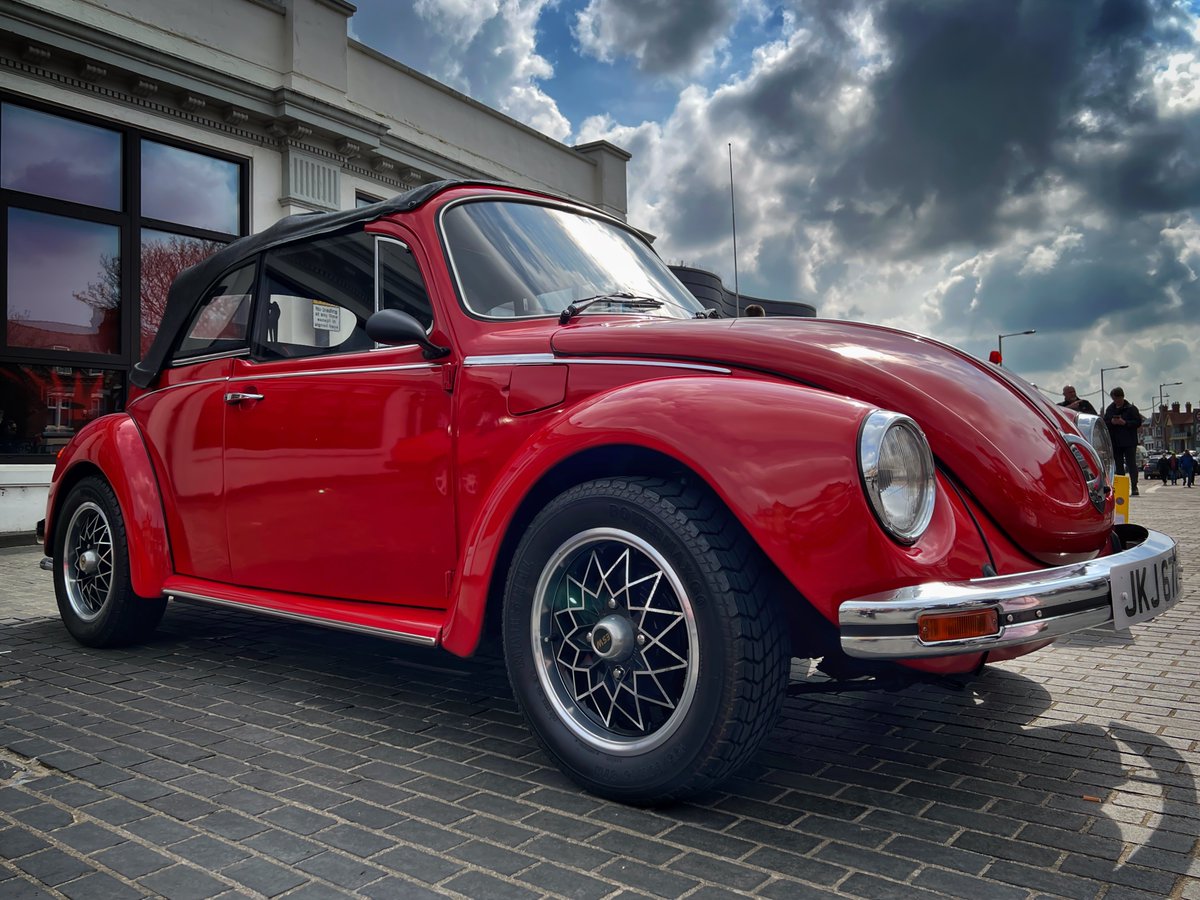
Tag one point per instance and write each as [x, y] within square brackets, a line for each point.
[397, 623]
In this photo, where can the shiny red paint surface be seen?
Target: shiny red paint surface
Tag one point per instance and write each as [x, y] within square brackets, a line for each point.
[380, 486]
[113, 446]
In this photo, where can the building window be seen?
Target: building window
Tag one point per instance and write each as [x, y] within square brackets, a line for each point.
[41, 407]
[361, 200]
[99, 218]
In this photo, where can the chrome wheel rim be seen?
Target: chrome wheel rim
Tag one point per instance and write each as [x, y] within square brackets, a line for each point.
[88, 561]
[615, 641]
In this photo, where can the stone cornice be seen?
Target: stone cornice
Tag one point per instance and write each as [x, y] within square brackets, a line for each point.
[49, 41]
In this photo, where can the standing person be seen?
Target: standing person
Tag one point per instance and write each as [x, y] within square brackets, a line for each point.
[1124, 420]
[1071, 400]
[1174, 465]
[1187, 468]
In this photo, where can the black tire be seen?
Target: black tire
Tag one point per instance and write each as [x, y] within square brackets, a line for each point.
[640, 701]
[91, 571]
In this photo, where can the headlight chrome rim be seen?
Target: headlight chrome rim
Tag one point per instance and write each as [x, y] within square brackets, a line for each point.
[1095, 432]
[871, 445]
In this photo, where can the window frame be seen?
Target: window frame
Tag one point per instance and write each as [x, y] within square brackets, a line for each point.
[130, 224]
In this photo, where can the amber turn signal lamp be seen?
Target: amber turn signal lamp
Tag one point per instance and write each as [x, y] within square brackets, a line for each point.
[958, 626]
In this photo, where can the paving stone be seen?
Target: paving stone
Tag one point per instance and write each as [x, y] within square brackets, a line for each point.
[132, 860]
[52, 866]
[183, 883]
[98, 886]
[264, 876]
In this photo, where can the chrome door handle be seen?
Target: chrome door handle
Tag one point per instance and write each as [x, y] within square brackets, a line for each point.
[238, 397]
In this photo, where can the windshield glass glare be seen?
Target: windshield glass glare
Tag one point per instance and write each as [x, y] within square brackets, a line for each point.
[515, 260]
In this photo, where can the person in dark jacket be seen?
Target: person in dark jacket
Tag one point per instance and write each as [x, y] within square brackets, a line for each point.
[1072, 400]
[1124, 420]
[1187, 468]
[1164, 468]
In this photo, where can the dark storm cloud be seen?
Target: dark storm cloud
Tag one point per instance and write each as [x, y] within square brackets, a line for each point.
[978, 101]
[664, 38]
[1131, 277]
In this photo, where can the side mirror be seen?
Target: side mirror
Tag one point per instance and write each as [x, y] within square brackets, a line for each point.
[396, 328]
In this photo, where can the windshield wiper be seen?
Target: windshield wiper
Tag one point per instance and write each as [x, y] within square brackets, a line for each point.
[625, 298]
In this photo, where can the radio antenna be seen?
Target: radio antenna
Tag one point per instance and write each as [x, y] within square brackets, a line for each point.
[737, 294]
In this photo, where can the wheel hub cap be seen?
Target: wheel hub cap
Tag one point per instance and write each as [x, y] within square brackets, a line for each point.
[89, 562]
[613, 638]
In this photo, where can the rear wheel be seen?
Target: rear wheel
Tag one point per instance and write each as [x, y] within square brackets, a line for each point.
[91, 571]
[641, 641]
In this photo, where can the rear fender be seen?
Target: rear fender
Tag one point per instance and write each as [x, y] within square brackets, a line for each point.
[781, 457]
[112, 446]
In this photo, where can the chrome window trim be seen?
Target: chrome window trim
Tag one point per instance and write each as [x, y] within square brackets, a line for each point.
[543, 359]
[401, 636]
[181, 361]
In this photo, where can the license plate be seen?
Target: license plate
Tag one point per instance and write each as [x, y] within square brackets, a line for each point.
[1142, 590]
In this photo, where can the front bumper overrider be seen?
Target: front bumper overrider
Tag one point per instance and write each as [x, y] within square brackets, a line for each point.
[1032, 606]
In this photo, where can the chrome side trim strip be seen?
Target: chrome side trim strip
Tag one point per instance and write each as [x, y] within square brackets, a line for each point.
[542, 359]
[1039, 605]
[170, 387]
[400, 636]
[353, 370]
[512, 359]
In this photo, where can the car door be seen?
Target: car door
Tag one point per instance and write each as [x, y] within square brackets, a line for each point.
[182, 422]
[337, 453]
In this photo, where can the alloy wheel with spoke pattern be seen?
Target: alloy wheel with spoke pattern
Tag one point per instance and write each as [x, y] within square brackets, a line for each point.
[92, 582]
[618, 640]
[643, 640]
[88, 561]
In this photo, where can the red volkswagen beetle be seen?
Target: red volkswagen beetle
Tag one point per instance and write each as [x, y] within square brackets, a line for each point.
[473, 406]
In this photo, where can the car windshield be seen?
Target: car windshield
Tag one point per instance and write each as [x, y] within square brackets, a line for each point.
[515, 260]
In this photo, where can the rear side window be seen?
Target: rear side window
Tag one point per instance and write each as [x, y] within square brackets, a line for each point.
[222, 322]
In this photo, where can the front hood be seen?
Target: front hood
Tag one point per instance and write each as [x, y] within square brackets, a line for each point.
[992, 432]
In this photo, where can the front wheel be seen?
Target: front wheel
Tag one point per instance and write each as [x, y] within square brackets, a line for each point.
[642, 643]
[91, 571]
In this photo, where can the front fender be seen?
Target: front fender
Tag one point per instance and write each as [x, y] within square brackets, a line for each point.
[781, 456]
[113, 445]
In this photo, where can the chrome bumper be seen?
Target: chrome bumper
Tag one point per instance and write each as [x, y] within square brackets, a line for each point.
[1033, 606]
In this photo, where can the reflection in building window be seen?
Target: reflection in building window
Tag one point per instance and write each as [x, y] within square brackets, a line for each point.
[41, 407]
[190, 188]
[164, 256]
[64, 283]
[55, 157]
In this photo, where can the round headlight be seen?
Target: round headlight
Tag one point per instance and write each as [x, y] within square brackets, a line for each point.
[897, 471]
[1095, 432]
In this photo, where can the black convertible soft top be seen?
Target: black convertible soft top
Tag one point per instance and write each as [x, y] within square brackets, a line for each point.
[191, 282]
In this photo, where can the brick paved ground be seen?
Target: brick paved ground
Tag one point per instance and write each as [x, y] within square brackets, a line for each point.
[236, 756]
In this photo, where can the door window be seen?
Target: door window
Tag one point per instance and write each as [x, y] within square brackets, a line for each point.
[319, 296]
[320, 293]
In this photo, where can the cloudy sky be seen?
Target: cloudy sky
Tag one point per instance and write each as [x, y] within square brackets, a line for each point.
[959, 169]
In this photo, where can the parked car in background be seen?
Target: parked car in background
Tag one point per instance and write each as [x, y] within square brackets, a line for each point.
[477, 409]
[1150, 469]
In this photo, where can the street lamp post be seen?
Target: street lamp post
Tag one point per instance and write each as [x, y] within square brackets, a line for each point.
[1102, 371]
[1000, 340]
[1163, 411]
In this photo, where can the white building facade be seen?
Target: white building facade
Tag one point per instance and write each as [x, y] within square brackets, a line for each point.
[137, 136]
